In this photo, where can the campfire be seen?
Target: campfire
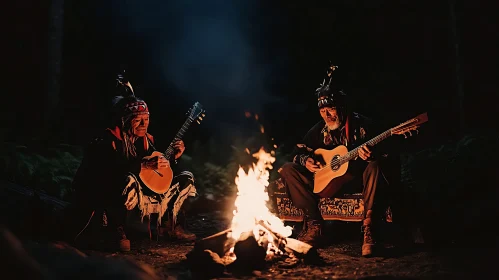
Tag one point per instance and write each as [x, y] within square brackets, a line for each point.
[256, 235]
[252, 214]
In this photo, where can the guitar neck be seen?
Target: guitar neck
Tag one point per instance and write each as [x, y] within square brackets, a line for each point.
[169, 151]
[402, 128]
[355, 152]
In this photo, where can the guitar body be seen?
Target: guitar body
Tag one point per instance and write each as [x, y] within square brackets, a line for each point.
[158, 183]
[160, 180]
[329, 179]
[324, 185]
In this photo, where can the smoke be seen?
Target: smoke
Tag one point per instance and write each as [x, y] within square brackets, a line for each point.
[204, 50]
[212, 57]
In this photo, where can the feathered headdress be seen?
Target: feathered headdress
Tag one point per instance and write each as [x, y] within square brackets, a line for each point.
[123, 86]
[326, 96]
[125, 103]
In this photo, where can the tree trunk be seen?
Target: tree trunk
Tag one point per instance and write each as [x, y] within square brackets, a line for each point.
[55, 45]
[457, 66]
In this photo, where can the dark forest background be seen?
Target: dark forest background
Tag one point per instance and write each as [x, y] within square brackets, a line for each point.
[395, 59]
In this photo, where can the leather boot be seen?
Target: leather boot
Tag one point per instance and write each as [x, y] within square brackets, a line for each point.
[368, 242]
[179, 233]
[124, 243]
[311, 233]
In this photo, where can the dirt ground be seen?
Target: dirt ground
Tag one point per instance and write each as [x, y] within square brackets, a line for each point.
[340, 260]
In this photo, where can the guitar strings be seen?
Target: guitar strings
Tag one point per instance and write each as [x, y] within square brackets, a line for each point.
[333, 162]
[337, 161]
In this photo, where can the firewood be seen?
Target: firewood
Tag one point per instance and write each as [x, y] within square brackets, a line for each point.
[218, 243]
[249, 254]
[304, 251]
[297, 246]
[279, 240]
[205, 264]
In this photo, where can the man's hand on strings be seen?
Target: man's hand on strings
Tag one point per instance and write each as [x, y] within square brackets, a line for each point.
[312, 165]
[155, 163]
[365, 153]
[179, 148]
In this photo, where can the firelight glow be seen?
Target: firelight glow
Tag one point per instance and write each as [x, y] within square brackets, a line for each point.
[252, 196]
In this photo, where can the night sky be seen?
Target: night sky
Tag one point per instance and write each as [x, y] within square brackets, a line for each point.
[395, 60]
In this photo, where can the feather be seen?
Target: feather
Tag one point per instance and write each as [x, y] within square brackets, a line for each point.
[326, 82]
[123, 85]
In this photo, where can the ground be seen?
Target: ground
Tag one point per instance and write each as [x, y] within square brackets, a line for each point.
[341, 260]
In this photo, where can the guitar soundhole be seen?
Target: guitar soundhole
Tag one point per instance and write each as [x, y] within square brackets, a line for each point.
[335, 163]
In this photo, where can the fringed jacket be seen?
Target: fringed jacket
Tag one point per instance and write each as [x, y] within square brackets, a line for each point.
[104, 168]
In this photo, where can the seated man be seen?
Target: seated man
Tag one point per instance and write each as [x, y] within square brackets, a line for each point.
[337, 127]
[107, 185]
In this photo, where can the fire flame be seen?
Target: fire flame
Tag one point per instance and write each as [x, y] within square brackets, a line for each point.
[251, 209]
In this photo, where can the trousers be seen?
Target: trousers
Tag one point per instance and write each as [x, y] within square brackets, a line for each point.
[109, 207]
[149, 202]
[369, 179]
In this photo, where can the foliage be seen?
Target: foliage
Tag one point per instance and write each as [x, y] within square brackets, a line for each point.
[214, 182]
[452, 186]
[50, 170]
[448, 165]
[445, 185]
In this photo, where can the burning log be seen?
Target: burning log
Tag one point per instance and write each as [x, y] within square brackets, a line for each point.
[279, 241]
[296, 246]
[205, 264]
[219, 253]
[249, 252]
[288, 244]
[218, 243]
[209, 257]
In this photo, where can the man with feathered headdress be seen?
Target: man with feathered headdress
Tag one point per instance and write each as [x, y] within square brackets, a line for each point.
[106, 182]
[339, 126]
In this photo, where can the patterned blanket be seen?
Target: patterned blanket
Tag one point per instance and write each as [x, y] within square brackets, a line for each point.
[346, 208]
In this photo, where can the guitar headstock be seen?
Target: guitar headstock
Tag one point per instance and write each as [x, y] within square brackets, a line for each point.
[196, 112]
[410, 125]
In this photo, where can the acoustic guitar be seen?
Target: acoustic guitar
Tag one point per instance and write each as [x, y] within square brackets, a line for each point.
[159, 180]
[333, 173]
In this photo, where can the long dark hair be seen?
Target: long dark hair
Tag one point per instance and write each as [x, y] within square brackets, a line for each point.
[123, 119]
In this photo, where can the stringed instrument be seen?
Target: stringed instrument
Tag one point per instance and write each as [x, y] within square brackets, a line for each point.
[333, 174]
[159, 180]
